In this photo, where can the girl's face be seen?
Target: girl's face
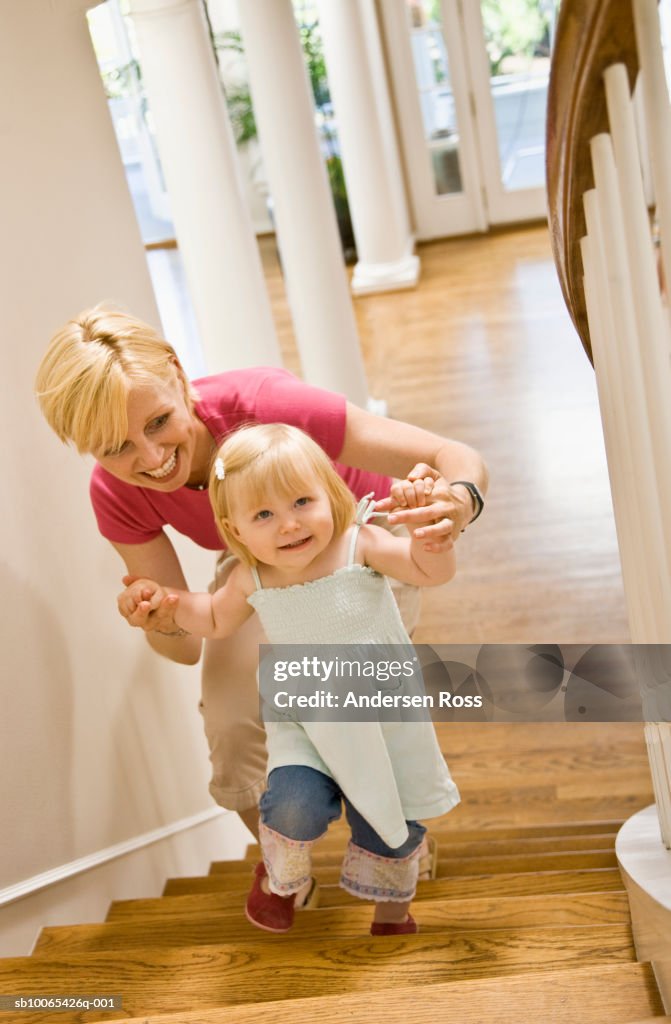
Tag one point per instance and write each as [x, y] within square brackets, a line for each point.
[159, 449]
[287, 530]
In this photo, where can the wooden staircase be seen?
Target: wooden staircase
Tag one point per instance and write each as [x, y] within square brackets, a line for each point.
[527, 919]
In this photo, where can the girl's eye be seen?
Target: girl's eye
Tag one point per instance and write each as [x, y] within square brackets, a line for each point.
[302, 501]
[159, 422]
[263, 514]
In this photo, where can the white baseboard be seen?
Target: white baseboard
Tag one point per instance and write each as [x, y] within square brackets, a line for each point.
[36, 883]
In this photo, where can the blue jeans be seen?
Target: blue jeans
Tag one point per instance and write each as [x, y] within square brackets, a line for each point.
[300, 803]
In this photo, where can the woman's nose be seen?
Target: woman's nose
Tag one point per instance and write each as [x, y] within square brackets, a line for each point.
[152, 453]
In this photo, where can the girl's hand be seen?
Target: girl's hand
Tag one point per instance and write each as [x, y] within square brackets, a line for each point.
[148, 606]
[410, 493]
[438, 521]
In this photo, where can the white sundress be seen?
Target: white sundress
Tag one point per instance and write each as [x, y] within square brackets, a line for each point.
[391, 771]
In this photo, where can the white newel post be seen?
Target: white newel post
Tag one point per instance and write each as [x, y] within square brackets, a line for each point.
[199, 160]
[367, 143]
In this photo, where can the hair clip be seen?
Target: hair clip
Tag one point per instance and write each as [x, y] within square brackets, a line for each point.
[219, 470]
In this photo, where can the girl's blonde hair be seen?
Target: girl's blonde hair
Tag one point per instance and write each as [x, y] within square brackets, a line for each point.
[271, 457]
[88, 369]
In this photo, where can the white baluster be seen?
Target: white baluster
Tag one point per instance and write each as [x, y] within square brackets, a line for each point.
[611, 397]
[648, 526]
[657, 115]
[653, 326]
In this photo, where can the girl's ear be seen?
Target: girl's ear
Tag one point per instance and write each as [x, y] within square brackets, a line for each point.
[229, 525]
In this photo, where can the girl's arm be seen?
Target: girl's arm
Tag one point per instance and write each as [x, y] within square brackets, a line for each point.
[405, 558]
[157, 560]
[214, 616]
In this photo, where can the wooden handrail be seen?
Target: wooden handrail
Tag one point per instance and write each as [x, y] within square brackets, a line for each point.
[590, 35]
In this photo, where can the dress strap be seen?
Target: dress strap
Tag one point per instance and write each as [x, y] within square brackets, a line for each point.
[257, 578]
[365, 510]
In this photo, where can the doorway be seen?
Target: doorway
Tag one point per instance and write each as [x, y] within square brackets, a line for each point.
[469, 79]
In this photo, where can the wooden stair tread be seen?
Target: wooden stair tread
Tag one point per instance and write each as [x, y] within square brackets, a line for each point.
[589, 878]
[328, 866]
[546, 741]
[462, 867]
[524, 769]
[209, 928]
[328, 847]
[542, 998]
[494, 805]
[169, 980]
[452, 833]
[222, 897]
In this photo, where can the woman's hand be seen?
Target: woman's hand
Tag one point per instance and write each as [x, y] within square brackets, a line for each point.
[146, 605]
[431, 509]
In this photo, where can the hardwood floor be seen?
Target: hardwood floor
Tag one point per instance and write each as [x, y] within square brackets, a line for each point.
[483, 350]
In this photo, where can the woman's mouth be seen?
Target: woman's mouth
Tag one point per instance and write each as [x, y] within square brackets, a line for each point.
[165, 471]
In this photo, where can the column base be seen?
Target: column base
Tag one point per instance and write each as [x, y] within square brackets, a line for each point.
[369, 278]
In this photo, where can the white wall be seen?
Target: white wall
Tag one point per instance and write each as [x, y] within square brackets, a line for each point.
[99, 739]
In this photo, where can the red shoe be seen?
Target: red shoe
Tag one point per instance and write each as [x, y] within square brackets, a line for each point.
[267, 910]
[408, 927]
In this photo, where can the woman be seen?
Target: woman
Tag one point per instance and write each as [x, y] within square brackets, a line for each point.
[111, 386]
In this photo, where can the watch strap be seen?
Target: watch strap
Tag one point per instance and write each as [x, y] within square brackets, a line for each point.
[474, 491]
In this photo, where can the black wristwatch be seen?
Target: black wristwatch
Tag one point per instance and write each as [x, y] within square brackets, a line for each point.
[478, 500]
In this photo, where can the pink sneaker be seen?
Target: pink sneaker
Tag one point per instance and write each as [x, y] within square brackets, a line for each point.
[267, 910]
[408, 927]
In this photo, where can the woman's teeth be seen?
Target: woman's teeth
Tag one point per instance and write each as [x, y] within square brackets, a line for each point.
[167, 467]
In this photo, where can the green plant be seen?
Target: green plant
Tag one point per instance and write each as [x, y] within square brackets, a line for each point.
[120, 82]
[513, 27]
[241, 112]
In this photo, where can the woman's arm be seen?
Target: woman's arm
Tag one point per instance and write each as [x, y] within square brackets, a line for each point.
[404, 558]
[396, 448]
[157, 559]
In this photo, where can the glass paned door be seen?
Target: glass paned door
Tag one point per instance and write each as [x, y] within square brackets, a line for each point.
[508, 52]
[470, 81]
[436, 98]
[431, 95]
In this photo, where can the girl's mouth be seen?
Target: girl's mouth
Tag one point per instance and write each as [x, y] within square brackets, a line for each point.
[165, 471]
[296, 544]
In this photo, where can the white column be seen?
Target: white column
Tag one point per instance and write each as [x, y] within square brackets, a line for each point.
[199, 160]
[309, 243]
[368, 147]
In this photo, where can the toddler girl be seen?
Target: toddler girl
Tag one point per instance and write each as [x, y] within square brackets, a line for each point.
[314, 570]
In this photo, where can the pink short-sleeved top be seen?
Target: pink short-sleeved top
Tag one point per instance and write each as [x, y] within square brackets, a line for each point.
[127, 514]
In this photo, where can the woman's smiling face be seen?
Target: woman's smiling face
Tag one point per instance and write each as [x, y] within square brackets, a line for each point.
[159, 448]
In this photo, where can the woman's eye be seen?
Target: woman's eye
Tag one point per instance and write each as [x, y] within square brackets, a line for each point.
[113, 452]
[159, 422]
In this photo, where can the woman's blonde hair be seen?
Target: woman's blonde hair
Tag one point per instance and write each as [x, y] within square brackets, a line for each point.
[88, 369]
[271, 457]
